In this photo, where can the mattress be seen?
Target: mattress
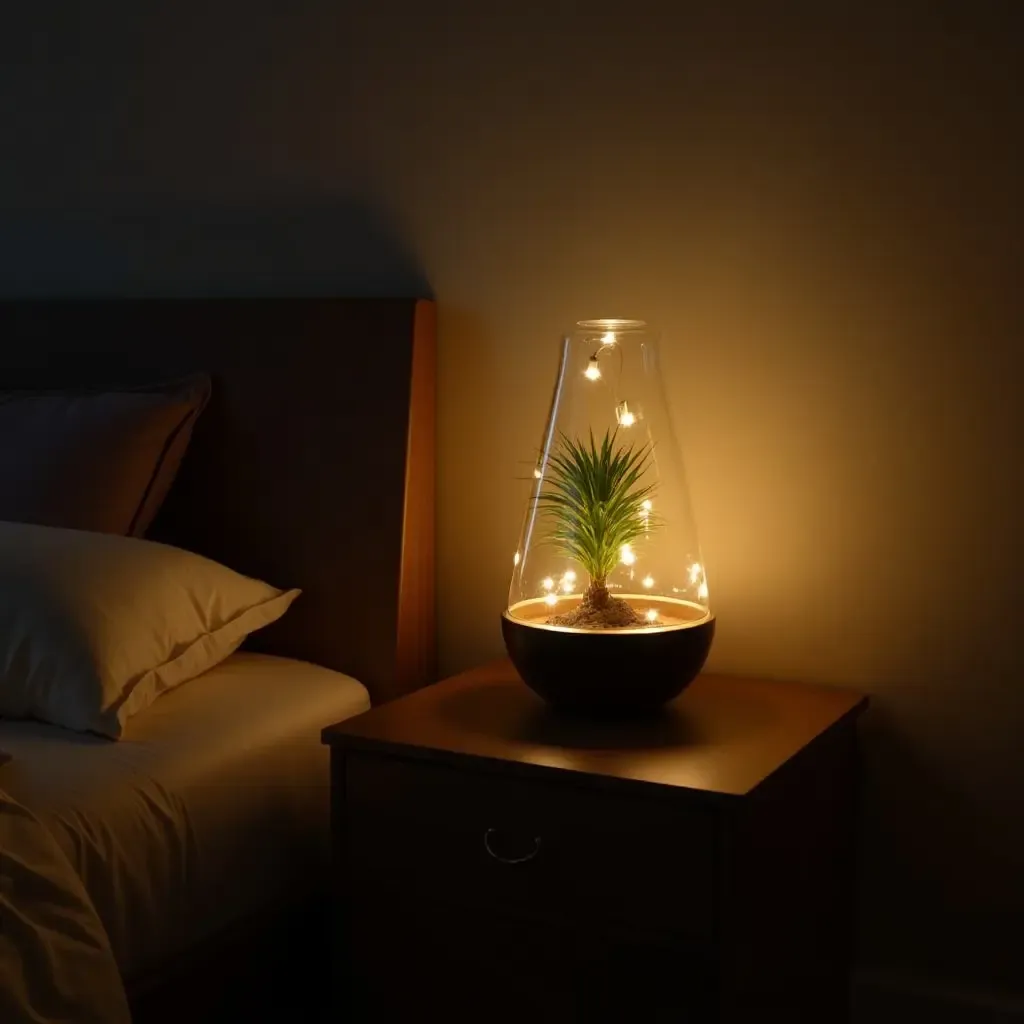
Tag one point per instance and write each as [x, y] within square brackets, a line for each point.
[212, 808]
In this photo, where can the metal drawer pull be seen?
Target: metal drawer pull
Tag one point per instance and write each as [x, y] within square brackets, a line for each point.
[510, 860]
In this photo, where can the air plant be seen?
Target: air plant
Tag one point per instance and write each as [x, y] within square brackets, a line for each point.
[597, 505]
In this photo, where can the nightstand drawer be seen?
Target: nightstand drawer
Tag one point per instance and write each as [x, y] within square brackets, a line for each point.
[530, 847]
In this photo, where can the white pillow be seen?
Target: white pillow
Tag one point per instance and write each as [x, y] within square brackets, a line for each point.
[94, 627]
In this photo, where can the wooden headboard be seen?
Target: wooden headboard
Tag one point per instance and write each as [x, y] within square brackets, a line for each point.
[312, 466]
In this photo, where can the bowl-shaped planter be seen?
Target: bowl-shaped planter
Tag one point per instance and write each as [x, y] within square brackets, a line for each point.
[609, 672]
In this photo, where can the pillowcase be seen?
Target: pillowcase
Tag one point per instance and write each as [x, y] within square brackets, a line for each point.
[101, 460]
[94, 627]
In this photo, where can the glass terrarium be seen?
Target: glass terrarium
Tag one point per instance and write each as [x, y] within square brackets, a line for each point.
[608, 608]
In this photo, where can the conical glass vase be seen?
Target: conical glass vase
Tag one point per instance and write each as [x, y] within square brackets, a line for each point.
[608, 609]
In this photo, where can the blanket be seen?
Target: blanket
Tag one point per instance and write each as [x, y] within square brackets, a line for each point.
[56, 964]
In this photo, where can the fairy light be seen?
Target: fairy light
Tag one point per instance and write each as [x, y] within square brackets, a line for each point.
[624, 415]
[652, 614]
[548, 583]
[697, 577]
[568, 581]
[593, 371]
[515, 558]
[627, 554]
[569, 575]
[648, 582]
[551, 600]
[645, 512]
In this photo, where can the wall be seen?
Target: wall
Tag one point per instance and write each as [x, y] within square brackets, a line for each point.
[822, 209]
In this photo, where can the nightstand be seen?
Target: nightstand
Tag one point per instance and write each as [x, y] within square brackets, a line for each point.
[495, 862]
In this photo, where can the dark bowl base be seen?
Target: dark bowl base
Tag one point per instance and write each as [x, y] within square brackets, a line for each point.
[607, 674]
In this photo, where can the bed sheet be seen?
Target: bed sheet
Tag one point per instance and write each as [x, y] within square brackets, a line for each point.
[214, 806]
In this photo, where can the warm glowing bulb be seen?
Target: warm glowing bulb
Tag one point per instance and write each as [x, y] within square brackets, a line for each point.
[624, 415]
[627, 555]
[652, 614]
[593, 371]
[569, 575]
[567, 586]
[648, 582]
[609, 338]
[695, 572]
[702, 591]
[647, 504]
[515, 558]
[548, 583]
[551, 600]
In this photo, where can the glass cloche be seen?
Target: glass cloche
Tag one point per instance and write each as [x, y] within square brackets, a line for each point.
[608, 609]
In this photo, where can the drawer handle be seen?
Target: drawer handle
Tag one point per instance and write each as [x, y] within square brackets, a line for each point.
[510, 860]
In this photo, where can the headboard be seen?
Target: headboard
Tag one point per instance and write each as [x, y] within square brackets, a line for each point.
[312, 466]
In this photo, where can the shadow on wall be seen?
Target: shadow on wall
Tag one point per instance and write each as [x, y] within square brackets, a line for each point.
[166, 249]
[913, 894]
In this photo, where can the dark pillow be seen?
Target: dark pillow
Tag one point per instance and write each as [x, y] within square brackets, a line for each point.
[95, 460]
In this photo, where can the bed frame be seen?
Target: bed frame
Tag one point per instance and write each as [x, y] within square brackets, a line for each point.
[312, 467]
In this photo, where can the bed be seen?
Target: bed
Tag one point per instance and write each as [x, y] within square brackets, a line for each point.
[201, 837]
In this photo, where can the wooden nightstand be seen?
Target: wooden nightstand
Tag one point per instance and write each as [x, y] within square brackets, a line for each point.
[497, 863]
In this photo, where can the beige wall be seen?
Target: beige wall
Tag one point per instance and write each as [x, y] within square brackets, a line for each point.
[826, 221]
[823, 212]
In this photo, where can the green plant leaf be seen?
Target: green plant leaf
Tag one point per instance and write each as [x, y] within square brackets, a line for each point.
[593, 498]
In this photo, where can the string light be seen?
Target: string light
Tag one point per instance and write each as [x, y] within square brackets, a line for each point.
[645, 512]
[593, 371]
[648, 582]
[627, 554]
[697, 573]
[652, 614]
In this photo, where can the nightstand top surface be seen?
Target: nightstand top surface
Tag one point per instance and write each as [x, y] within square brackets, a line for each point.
[723, 736]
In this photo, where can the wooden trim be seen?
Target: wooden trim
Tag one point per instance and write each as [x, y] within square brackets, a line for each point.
[416, 643]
